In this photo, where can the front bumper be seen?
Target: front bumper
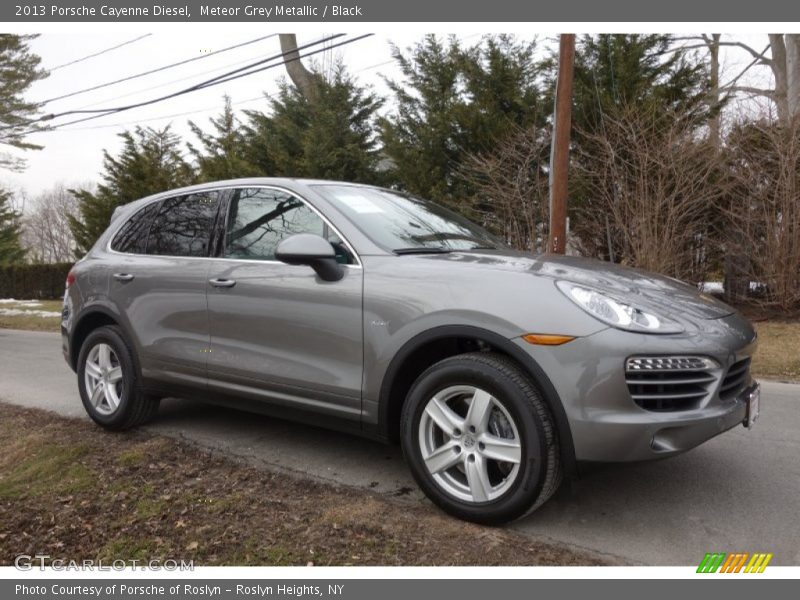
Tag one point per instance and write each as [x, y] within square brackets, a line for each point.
[605, 422]
[614, 437]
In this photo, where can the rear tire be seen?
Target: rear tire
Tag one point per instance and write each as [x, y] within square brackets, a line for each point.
[480, 439]
[108, 382]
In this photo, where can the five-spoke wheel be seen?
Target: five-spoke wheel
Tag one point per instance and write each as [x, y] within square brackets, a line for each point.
[103, 378]
[470, 443]
[108, 381]
[479, 438]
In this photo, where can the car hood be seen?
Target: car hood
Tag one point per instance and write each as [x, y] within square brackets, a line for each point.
[645, 289]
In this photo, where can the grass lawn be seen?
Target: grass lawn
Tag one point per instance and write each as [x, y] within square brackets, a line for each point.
[75, 491]
[33, 315]
[778, 355]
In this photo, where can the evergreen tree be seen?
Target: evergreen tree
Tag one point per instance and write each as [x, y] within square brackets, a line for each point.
[452, 103]
[150, 162]
[422, 138]
[19, 68]
[221, 154]
[327, 135]
[645, 71]
[10, 249]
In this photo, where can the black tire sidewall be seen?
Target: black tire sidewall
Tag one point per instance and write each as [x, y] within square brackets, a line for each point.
[526, 489]
[110, 336]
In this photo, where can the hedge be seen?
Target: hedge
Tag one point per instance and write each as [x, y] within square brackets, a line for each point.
[33, 282]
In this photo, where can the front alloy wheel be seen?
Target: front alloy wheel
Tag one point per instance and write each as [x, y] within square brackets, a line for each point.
[470, 443]
[479, 438]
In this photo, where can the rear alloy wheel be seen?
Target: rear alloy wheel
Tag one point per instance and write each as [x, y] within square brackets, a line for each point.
[108, 381]
[480, 439]
[103, 379]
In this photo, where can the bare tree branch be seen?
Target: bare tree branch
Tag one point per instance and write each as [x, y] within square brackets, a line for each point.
[767, 93]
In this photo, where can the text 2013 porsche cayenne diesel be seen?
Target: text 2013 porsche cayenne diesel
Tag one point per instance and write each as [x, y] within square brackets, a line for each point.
[375, 312]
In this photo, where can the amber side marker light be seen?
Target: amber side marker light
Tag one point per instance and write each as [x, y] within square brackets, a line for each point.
[547, 339]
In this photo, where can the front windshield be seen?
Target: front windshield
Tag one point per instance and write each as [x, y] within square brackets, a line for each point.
[401, 223]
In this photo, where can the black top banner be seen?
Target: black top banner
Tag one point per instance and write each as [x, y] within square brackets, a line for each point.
[240, 11]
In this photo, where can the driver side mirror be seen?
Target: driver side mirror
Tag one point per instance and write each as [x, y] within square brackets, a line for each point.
[312, 250]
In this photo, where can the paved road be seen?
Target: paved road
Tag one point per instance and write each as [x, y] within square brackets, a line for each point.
[738, 492]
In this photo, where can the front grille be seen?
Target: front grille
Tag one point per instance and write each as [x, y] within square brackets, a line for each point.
[735, 380]
[670, 383]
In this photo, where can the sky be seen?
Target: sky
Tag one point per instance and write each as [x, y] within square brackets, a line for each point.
[73, 155]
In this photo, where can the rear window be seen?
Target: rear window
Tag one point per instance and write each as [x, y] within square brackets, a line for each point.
[132, 236]
[183, 225]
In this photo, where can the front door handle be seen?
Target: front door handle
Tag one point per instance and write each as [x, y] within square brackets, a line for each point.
[222, 283]
[123, 276]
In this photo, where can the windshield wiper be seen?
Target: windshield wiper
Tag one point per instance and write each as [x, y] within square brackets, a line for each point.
[422, 250]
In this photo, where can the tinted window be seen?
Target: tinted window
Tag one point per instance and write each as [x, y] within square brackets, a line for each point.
[396, 221]
[260, 218]
[132, 237]
[183, 225]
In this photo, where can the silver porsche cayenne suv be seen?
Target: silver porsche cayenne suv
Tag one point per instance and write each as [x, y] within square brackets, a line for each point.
[385, 315]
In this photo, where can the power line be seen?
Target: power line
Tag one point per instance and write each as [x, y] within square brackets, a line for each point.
[210, 108]
[225, 77]
[157, 69]
[100, 112]
[78, 60]
[172, 82]
[199, 110]
[231, 76]
[262, 96]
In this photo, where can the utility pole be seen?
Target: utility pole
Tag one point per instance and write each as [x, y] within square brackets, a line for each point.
[559, 150]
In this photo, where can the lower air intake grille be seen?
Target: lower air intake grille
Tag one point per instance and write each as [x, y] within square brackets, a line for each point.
[735, 380]
[670, 383]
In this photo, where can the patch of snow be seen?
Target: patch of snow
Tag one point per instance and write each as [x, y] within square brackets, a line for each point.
[711, 287]
[20, 302]
[16, 312]
[716, 287]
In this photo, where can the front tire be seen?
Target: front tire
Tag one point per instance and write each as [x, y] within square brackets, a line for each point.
[480, 439]
[108, 382]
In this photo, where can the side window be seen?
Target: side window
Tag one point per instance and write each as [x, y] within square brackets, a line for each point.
[132, 237]
[260, 218]
[183, 225]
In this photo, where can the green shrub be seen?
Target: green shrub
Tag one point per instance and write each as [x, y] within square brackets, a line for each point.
[38, 281]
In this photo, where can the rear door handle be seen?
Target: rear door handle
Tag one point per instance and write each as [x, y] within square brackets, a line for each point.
[123, 276]
[222, 283]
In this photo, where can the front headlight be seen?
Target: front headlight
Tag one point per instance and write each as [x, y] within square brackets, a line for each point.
[617, 313]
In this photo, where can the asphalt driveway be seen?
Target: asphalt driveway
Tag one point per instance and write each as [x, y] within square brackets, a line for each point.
[740, 492]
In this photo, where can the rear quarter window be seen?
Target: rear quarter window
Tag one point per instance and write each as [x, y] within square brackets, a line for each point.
[183, 225]
[132, 236]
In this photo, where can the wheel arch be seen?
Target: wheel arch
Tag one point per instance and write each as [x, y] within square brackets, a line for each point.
[91, 318]
[430, 346]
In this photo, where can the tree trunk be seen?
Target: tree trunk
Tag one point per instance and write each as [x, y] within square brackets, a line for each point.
[778, 66]
[714, 123]
[792, 44]
[302, 78]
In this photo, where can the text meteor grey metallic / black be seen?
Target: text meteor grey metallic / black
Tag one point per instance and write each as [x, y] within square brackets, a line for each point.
[382, 314]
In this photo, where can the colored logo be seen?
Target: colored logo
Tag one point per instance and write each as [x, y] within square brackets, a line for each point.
[737, 562]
